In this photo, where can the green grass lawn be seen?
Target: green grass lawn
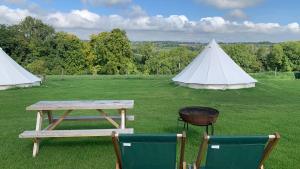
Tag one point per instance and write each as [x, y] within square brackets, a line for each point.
[274, 105]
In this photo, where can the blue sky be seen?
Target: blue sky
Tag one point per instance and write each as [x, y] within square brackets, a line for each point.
[178, 20]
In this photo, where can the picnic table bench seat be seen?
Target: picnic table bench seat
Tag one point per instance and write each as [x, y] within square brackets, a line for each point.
[73, 133]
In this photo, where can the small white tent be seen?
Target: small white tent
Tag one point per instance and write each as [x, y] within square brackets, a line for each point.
[13, 75]
[214, 69]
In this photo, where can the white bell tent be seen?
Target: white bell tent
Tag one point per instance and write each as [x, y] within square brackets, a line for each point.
[214, 69]
[14, 75]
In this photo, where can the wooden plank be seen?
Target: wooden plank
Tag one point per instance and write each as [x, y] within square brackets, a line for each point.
[91, 118]
[57, 122]
[117, 165]
[184, 165]
[82, 105]
[123, 120]
[105, 115]
[38, 127]
[73, 133]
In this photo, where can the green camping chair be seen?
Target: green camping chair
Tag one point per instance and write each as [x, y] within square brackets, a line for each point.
[235, 152]
[144, 151]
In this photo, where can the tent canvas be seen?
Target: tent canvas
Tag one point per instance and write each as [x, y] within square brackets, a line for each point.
[14, 75]
[214, 69]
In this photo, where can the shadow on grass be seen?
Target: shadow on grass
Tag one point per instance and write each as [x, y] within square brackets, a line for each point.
[193, 131]
[76, 142]
[71, 143]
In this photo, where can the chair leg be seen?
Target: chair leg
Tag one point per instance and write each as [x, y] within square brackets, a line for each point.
[177, 124]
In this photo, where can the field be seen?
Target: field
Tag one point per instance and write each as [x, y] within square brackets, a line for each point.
[274, 105]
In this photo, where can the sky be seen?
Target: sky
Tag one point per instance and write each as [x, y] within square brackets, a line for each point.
[165, 20]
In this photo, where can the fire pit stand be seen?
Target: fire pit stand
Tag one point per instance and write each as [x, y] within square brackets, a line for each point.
[199, 116]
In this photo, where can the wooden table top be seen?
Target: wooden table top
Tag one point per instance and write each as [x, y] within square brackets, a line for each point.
[82, 105]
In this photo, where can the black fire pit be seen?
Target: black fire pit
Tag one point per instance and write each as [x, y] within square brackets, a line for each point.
[199, 116]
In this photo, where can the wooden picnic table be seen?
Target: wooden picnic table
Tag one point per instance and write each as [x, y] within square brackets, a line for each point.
[48, 107]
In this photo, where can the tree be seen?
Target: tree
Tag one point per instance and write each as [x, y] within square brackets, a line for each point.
[244, 56]
[66, 54]
[292, 53]
[29, 39]
[6, 39]
[276, 57]
[113, 52]
[13, 45]
[34, 33]
[38, 67]
[262, 55]
[286, 64]
[90, 59]
[180, 57]
[142, 53]
[158, 64]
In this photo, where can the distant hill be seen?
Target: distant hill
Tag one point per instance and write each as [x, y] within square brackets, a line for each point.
[193, 45]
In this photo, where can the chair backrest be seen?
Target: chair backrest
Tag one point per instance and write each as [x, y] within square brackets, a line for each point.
[235, 152]
[143, 151]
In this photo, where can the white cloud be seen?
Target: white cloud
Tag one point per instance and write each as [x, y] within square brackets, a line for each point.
[237, 14]
[294, 27]
[231, 4]
[108, 3]
[13, 16]
[178, 22]
[74, 19]
[213, 24]
[262, 27]
[144, 27]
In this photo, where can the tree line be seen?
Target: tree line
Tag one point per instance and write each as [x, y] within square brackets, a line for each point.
[39, 48]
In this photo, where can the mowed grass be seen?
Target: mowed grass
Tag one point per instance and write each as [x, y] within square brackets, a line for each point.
[274, 105]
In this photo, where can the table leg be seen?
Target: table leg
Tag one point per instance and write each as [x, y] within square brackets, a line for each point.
[38, 127]
[123, 118]
[50, 117]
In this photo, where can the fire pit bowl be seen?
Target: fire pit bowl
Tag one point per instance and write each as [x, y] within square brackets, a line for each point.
[199, 116]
